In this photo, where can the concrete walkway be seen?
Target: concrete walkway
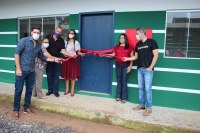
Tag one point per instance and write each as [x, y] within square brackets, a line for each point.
[108, 111]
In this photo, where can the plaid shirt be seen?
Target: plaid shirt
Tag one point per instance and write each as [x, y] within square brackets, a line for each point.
[40, 63]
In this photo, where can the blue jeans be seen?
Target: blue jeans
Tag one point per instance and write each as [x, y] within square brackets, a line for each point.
[145, 87]
[29, 78]
[122, 89]
[53, 73]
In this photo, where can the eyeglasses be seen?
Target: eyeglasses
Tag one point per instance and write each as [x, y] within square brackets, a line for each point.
[45, 42]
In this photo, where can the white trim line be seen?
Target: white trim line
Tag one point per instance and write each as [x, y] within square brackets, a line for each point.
[7, 46]
[153, 31]
[165, 88]
[7, 71]
[123, 31]
[94, 92]
[171, 70]
[119, 31]
[161, 51]
[159, 31]
[10, 32]
[6, 58]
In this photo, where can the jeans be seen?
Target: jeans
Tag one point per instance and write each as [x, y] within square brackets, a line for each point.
[145, 87]
[122, 89]
[29, 78]
[53, 73]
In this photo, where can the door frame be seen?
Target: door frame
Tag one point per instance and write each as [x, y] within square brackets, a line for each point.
[81, 14]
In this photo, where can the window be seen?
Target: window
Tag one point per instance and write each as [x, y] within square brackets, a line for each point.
[46, 24]
[182, 34]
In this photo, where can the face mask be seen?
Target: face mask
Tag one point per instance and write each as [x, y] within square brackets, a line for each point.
[46, 45]
[35, 36]
[57, 35]
[122, 40]
[138, 37]
[71, 36]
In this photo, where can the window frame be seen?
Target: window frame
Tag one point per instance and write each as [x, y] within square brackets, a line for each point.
[177, 11]
[38, 16]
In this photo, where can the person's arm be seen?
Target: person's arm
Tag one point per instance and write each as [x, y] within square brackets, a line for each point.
[79, 53]
[43, 57]
[131, 63]
[132, 58]
[65, 53]
[112, 55]
[18, 51]
[155, 58]
[17, 64]
[48, 55]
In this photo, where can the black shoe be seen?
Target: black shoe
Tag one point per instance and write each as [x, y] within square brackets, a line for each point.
[56, 94]
[49, 93]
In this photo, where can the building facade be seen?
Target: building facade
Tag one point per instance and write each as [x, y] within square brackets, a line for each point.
[175, 26]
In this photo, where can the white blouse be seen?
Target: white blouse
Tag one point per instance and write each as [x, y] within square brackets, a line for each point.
[71, 47]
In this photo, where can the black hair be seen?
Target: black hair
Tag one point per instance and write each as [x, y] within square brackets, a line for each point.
[35, 28]
[69, 33]
[44, 39]
[126, 41]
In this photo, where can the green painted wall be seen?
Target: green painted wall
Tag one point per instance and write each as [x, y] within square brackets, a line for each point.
[124, 20]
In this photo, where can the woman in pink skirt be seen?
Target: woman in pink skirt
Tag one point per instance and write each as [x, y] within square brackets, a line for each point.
[70, 68]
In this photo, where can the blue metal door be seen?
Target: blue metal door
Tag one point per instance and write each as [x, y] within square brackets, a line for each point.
[96, 33]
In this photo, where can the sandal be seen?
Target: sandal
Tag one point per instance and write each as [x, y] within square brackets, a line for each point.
[66, 93]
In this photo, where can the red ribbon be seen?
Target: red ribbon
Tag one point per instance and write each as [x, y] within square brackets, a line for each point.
[95, 52]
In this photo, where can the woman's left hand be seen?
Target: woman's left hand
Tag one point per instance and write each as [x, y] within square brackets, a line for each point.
[128, 69]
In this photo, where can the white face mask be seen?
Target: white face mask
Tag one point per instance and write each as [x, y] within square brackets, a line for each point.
[138, 37]
[71, 36]
[46, 45]
[122, 40]
[35, 36]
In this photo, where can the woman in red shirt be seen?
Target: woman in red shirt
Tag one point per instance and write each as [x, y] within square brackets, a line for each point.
[123, 49]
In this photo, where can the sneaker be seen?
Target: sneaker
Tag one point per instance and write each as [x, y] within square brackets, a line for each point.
[15, 114]
[147, 112]
[118, 99]
[123, 101]
[28, 111]
[139, 107]
[56, 94]
[49, 93]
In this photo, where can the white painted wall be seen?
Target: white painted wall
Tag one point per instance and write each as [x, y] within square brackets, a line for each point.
[23, 8]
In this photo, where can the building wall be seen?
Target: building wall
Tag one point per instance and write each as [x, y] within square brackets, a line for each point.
[21, 8]
[176, 81]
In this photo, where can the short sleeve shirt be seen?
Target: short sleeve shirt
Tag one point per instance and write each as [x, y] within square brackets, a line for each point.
[145, 52]
[40, 63]
[55, 47]
[121, 52]
[72, 47]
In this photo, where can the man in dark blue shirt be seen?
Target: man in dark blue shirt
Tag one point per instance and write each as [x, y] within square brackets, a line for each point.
[27, 50]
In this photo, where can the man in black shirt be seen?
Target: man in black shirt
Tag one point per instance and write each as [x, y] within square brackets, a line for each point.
[56, 46]
[147, 54]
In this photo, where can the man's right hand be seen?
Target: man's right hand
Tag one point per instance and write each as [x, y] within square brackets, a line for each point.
[18, 72]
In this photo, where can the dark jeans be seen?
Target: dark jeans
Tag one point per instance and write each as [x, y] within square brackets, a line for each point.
[29, 78]
[122, 89]
[53, 73]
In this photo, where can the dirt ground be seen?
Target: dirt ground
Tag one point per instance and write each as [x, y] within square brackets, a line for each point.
[53, 119]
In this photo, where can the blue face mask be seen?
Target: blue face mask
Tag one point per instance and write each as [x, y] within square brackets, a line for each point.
[57, 35]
